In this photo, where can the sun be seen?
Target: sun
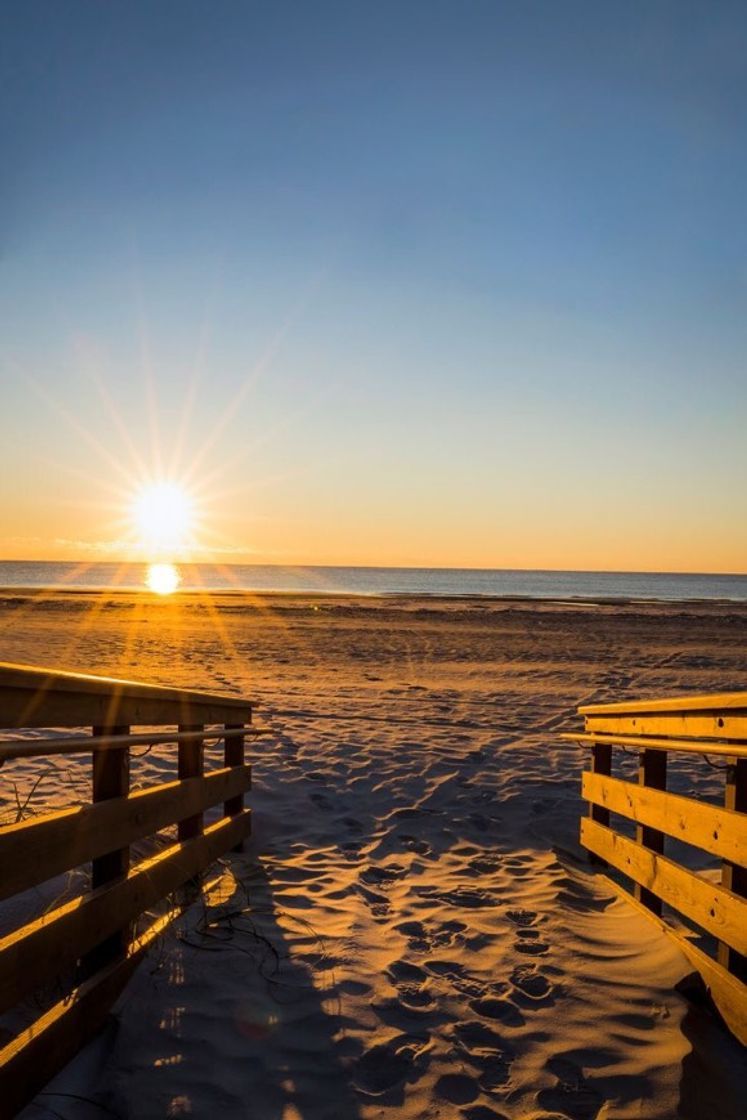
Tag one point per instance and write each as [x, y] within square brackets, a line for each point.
[163, 517]
[163, 578]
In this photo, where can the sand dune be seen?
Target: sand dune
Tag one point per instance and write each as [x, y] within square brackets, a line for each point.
[413, 931]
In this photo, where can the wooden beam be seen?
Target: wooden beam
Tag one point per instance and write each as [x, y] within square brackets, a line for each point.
[709, 701]
[680, 725]
[36, 953]
[714, 908]
[234, 756]
[111, 779]
[191, 765]
[734, 872]
[652, 774]
[40, 748]
[684, 746]
[35, 697]
[33, 1058]
[601, 763]
[38, 849]
[718, 831]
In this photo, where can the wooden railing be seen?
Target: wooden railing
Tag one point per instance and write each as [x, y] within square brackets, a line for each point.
[86, 947]
[714, 727]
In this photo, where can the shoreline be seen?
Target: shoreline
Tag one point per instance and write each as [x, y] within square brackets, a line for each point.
[48, 593]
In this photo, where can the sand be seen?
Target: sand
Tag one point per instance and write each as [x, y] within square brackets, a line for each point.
[413, 930]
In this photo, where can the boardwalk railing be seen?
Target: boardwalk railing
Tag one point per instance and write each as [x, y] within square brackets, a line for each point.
[714, 727]
[83, 950]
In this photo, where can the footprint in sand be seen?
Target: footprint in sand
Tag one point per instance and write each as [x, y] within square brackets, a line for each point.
[528, 939]
[485, 1050]
[532, 985]
[411, 983]
[384, 1068]
[421, 940]
[573, 1096]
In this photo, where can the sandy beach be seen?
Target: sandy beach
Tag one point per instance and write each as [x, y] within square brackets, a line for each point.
[413, 930]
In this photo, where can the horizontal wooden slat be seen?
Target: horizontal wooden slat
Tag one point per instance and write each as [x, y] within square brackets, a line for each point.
[715, 725]
[36, 850]
[710, 701]
[33, 1058]
[713, 828]
[714, 908]
[727, 992]
[40, 748]
[31, 696]
[641, 742]
[36, 953]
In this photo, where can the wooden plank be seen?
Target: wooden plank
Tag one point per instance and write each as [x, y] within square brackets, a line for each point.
[36, 850]
[601, 763]
[36, 953]
[727, 992]
[709, 701]
[40, 748]
[715, 830]
[685, 746]
[111, 779]
[191, 765]
[681, 725]
[234, 756]
[33, 1058]
[712, 907]
[36, 697]
[734, 874]
[652, 773]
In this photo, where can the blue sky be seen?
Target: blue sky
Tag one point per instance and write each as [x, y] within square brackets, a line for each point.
[446, 283]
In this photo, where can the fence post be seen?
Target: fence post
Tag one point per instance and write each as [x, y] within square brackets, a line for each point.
[191, 765]
[734, 877]
[111, 778]
[601, 763]
[234, 756]
[652, 772]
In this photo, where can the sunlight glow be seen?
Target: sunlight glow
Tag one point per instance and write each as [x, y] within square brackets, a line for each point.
[163, 516]
[163, 578]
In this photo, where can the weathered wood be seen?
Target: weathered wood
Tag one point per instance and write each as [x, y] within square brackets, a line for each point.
[715, 830]
[234, 756]
[37, 697]
[680, 725]
[714, 908]
[601, 763]
[40, 748]
[191, 765]
[652, 773]
[37, 952]
[111, 779]
[684, 746]
[709, 702]
[38, 849]
[33, 1058]
[734, 873]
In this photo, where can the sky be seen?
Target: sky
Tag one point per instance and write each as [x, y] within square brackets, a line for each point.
[408, 283]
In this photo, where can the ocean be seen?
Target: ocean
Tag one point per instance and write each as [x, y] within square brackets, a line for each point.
[455, 582]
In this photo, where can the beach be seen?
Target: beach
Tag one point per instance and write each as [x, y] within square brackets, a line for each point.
[413, 930]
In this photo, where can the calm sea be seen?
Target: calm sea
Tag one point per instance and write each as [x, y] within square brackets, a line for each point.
[381, 581]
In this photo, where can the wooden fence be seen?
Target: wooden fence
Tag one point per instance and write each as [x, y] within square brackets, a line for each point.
[93, 938]
[714, 727]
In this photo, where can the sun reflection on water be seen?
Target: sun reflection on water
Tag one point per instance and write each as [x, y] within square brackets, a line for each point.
[164, 579]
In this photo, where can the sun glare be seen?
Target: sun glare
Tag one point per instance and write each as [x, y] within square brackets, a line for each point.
[163, 578]
[162, 513]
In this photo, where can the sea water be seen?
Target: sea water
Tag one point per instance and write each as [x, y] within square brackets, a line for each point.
[492, 583]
